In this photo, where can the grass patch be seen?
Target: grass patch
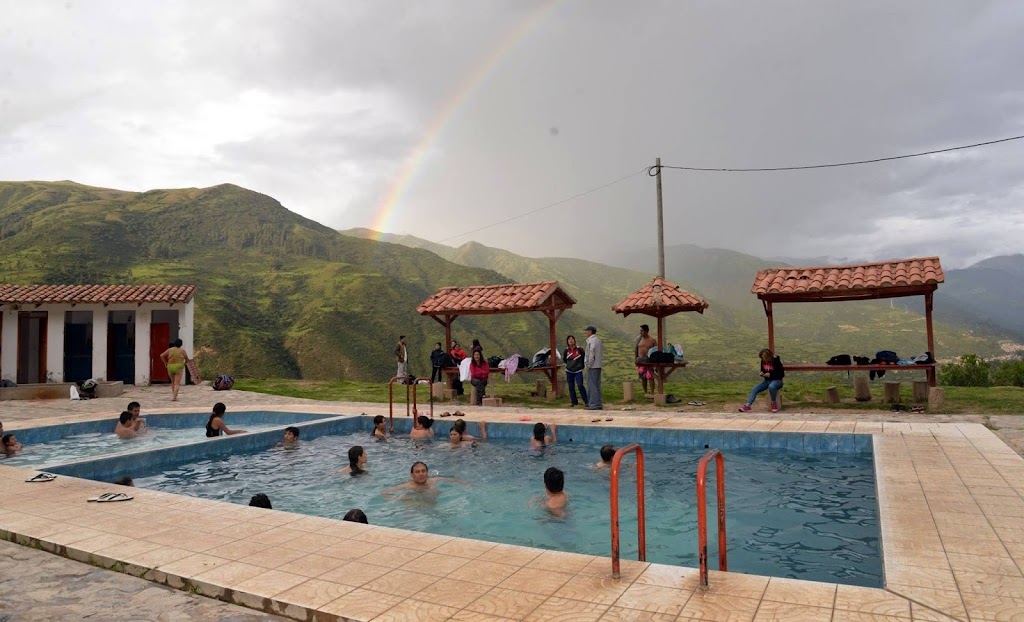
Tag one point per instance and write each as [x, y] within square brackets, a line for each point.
[719, 396]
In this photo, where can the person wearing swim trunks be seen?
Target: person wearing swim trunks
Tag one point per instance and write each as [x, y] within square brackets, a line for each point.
[175, 358]
[124, 428]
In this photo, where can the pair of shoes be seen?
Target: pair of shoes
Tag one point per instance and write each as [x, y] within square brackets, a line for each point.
[573, 405]
[745, 408]
[445, 414]
[775, 407]
[110, 497]
[696, 403]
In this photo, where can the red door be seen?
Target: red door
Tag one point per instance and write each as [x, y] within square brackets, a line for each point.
[159, 336]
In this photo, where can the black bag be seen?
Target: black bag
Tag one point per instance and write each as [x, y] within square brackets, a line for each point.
[861, 360]
[661, 357]
[887, 356]
[524, 362]
[493, 360]
[840, 359]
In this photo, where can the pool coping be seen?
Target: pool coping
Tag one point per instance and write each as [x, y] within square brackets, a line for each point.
[951, 504]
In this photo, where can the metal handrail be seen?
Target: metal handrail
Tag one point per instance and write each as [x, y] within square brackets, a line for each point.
[702, 513]
[641, 529]
[415, 392]
[391, 400]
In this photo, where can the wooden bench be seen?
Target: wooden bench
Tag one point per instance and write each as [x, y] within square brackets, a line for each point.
[547, 370]
[662, 371]
[928, 368]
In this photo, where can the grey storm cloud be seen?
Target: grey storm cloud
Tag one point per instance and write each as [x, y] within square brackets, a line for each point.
[438, 118]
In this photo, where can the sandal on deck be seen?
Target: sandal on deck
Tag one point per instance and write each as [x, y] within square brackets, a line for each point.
[696, 403]
[110, 497]
[42, 477]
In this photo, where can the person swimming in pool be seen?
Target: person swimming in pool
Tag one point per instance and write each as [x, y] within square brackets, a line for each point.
[356, 516]
[540, 439]
[457, 435]
[175, 358]
[422, 428]
[138, 423]
[420, 482]
[380, 427]
[215, 425]
[291, 438]
[124, 427]
[356, 461]
[9, 443]
[607, 453]
[554, 490]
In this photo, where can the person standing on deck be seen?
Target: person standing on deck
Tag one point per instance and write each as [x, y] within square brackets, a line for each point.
[644, 343]
[402, 355]
[593, 360]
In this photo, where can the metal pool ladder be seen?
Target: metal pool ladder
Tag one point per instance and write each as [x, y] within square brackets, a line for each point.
[415, 390]
[702, 513]
[641, 536]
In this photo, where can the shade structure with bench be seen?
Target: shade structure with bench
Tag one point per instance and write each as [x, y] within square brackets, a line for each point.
[660, 299]
[546, 297]
[919, 276]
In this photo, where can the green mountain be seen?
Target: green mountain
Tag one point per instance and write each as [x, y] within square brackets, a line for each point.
[722, 342]
[278, 294]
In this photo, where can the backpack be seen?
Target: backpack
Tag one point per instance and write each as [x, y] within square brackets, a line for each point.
[840, 359]
[886, 356]
[493, 361]
[223, 382]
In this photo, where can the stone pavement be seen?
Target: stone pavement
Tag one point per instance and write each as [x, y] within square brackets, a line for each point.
[35, 585]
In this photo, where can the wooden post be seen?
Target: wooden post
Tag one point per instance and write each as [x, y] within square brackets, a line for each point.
[892, 393]
[661, 348]
[553, 356]
[928, 322]
[627, 391]
[832, 395]
[861, 388]
[661, 222]
[448, 344]
[771, 325]
[920, 391]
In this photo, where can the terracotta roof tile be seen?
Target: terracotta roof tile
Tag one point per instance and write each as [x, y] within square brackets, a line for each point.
[80, 294]
[507, 298]
[660, 297]
[884, 275]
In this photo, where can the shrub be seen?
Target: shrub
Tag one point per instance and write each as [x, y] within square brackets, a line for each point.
[1009, 374]
[967, 371]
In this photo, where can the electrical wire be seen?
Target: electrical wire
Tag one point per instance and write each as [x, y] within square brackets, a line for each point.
[549, 206]
[652, 170]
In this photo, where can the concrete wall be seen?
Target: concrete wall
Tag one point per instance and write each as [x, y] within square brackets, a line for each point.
[55, 336]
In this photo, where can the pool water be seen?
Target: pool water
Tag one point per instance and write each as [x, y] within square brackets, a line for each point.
[790, 514]
[94, 444]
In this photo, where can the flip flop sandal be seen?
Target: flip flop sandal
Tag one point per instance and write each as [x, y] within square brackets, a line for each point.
[595, 421]
[445, 414]
[42, 477]
[696, 403]
[103, 497]
[609, 419]
[115, 496]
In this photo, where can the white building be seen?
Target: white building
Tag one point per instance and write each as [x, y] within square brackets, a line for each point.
[69, 333]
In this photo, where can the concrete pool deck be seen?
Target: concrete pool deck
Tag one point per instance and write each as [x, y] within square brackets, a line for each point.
[951, 508]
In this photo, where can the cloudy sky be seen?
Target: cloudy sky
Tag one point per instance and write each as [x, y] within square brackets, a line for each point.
[439, 118]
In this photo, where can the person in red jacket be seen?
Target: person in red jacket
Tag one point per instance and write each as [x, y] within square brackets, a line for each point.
[457, 355]
[479, 372]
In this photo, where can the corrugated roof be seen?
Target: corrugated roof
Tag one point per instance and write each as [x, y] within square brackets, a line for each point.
[81, 294]
[508, 298]
[660, 297]
[898, 273]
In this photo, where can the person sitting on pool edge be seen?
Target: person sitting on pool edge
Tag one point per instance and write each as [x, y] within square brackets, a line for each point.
[10, 443]
[554, 487]
[356, 461]
[124, 428]
[138, 423]
[457, 434]
[539, 439]
[607, 453]
[260, 500]
[356, 516]
[380, 427]
[422, 427]
[215, 426]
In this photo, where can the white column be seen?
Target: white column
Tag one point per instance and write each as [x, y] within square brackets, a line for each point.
[9, 346]
[100, 321]
[187, 327]
[143, 317]
[55, 344]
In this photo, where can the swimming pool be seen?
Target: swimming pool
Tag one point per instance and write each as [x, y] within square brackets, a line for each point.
[807, 513]
[58, 444]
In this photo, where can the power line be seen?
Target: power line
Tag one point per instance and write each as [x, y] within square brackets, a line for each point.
[653, 170]
[549, 206]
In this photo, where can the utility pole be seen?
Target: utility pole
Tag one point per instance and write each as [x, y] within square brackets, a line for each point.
[661, 223]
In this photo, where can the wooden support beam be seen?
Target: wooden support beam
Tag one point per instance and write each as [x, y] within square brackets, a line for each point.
[771, 326]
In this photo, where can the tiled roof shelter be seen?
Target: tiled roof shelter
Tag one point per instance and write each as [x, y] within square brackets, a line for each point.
[660, 299]
[918, 276]
[79, 294]
[546, 297]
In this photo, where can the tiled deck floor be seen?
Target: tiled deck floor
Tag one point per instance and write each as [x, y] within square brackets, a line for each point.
[951, 502]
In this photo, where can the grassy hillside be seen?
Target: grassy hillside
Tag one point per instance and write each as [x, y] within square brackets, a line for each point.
[723, 341]
[278, 294]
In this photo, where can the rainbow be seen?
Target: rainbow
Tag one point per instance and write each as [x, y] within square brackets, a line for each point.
[387, 208]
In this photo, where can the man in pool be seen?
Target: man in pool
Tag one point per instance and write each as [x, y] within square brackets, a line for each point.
[124, 427]
[138, 423]
[291, 437]
[9, 443]
[607, 453]
[554, 485]
[420, 482]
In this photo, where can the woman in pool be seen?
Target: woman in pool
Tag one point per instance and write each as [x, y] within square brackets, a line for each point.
[422, 427]
[175, 358]
[540, 440]
[356, 461]
[10, 443]
[215, 426]
[458, 433]
[772, 373]
[419, 481]
[380, 427]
